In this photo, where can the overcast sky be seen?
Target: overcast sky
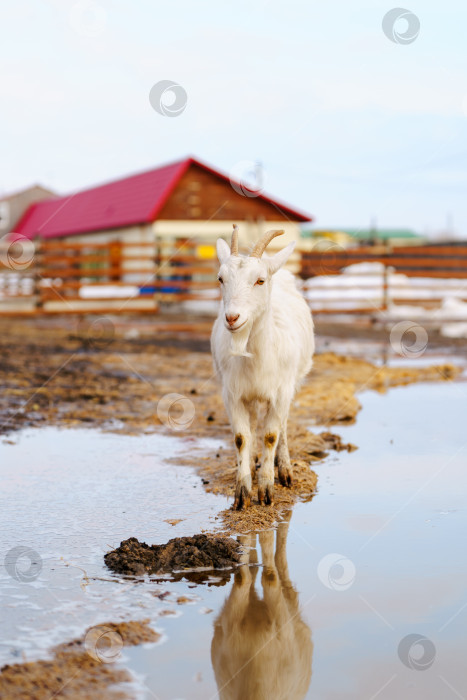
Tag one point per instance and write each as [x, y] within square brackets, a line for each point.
[347, 124]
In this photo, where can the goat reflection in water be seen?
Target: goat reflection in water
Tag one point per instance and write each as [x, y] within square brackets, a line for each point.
[262, 648]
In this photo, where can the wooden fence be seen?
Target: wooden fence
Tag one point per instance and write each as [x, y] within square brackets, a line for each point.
[439, 261]
[126, 276]
[420, 277]
[70, 277]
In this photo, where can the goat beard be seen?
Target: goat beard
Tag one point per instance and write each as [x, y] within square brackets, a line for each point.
[239, 342]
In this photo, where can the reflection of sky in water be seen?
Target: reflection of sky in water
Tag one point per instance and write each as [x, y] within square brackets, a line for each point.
[407, 482]
[71, 495]
[396, 508]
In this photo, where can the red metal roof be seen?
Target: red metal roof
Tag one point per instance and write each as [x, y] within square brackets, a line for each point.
[133, 200]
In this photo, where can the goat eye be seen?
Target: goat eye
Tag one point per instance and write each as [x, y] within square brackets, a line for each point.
[219, 279]
[259, 281]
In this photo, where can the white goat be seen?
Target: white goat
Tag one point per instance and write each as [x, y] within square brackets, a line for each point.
[262, 344]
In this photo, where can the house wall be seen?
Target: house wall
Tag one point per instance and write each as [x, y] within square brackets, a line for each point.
[14, 206]
[201, 195]
[249, 231]
[207, 231]
[132, 234]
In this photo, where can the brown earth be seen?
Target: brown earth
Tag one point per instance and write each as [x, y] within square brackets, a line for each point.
[78, 670]
[106, 373]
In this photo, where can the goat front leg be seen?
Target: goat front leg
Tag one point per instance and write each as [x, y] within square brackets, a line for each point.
[284, 467]
[240, 419]
[272, 425]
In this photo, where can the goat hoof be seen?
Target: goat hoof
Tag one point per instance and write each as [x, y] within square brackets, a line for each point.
[285, 477]
[266, 495]
[242, 497]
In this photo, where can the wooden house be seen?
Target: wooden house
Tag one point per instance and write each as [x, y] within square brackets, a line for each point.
[185, 199]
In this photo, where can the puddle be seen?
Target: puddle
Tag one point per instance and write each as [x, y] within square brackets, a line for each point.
[375, 558]
[380, 352]
[70, 496]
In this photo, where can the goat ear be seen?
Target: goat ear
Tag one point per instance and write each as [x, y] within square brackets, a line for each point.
[280, 258]
[223, 250]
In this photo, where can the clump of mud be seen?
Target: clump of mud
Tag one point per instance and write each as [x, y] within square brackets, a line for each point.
[80, 669]
[200, 551]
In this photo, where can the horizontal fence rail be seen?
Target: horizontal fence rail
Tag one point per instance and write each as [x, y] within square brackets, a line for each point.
[413, 261]
[65, 276]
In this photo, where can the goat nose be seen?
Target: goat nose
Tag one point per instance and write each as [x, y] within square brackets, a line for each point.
[231, 318]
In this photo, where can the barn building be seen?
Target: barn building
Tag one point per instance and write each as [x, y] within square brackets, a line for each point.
[185, 199]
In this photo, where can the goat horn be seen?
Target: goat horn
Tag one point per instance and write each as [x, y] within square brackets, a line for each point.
[234, 242]
[264, 241]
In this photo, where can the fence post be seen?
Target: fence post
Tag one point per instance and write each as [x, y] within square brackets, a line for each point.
[37, 288]
[385, 287]
[386, 298]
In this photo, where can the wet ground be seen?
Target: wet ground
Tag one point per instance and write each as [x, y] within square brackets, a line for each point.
[325, 606]
[127, 377]
[376, 556]
[113, 373]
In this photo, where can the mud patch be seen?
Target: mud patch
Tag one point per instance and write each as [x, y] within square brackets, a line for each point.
[197, 552]
[218, 474]
[50, 376]
[79, 669]
[317, 447]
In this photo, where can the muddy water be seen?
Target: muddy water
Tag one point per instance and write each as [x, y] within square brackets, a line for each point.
[376, 557]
